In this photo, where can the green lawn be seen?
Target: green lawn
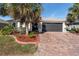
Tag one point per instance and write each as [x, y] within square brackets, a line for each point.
[8, 46]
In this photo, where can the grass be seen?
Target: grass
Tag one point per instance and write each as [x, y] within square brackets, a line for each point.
[8, 46]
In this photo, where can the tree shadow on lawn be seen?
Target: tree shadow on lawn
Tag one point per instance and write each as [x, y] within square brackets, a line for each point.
[8, 46]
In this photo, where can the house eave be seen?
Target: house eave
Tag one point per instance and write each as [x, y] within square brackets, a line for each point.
[2, 21]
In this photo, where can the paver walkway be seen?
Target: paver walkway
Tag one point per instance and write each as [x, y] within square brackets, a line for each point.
[58, 44]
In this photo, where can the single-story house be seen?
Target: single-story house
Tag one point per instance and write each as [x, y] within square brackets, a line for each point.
[51, 25]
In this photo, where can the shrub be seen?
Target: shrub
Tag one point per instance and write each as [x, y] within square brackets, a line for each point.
[7, 30]
[67, 29]
[73, 30]
[32, 34]
[0, 32]
[77, 30]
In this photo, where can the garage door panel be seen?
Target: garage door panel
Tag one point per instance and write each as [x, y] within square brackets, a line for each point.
[54, 27]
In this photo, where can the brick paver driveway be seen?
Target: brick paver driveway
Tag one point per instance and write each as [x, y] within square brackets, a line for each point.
[58, 43]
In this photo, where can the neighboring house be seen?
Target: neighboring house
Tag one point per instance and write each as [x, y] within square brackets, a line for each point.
[51, 25]
[2, 23]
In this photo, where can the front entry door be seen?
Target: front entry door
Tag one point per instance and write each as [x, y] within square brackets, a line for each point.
[35, 27]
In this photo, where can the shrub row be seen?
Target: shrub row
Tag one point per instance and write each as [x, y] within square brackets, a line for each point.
[73, 30]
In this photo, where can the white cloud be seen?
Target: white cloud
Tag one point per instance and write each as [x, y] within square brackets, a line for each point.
[53, 15]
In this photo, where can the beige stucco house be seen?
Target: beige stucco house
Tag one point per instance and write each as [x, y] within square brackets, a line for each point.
[45, 25]
[51, 25]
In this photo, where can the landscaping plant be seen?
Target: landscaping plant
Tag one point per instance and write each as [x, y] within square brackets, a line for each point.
[32, 34]
[73, 30]
[7, 30]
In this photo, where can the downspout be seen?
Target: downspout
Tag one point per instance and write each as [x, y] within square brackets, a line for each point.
[63, 27]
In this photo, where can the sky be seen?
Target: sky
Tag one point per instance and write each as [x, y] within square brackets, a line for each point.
[51, 10]
[55, 10]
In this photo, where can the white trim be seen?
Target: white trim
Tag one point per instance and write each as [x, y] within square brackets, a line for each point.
[63, 27]
[18, 24]
[40, 26]
[30, 26]
[26, 29]
[23, 25]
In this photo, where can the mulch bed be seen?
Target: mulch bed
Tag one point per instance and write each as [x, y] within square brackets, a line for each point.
[25, 38]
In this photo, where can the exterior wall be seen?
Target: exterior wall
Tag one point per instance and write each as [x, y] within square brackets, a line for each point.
[64, 27]
[40, 26]
[18, 24]
[23, 25]
[30, 26]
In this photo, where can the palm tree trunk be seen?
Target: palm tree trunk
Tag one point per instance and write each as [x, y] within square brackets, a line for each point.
[27, 29]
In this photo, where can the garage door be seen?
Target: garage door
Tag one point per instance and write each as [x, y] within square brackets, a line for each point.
[55, 27]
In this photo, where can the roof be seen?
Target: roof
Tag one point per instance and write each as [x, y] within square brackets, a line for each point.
[10, 20]
[46, 20]
[53, 20]
[3, 21]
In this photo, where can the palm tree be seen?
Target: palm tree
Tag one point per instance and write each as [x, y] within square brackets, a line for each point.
[73, 13]
[24, 12]
[70, 18]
